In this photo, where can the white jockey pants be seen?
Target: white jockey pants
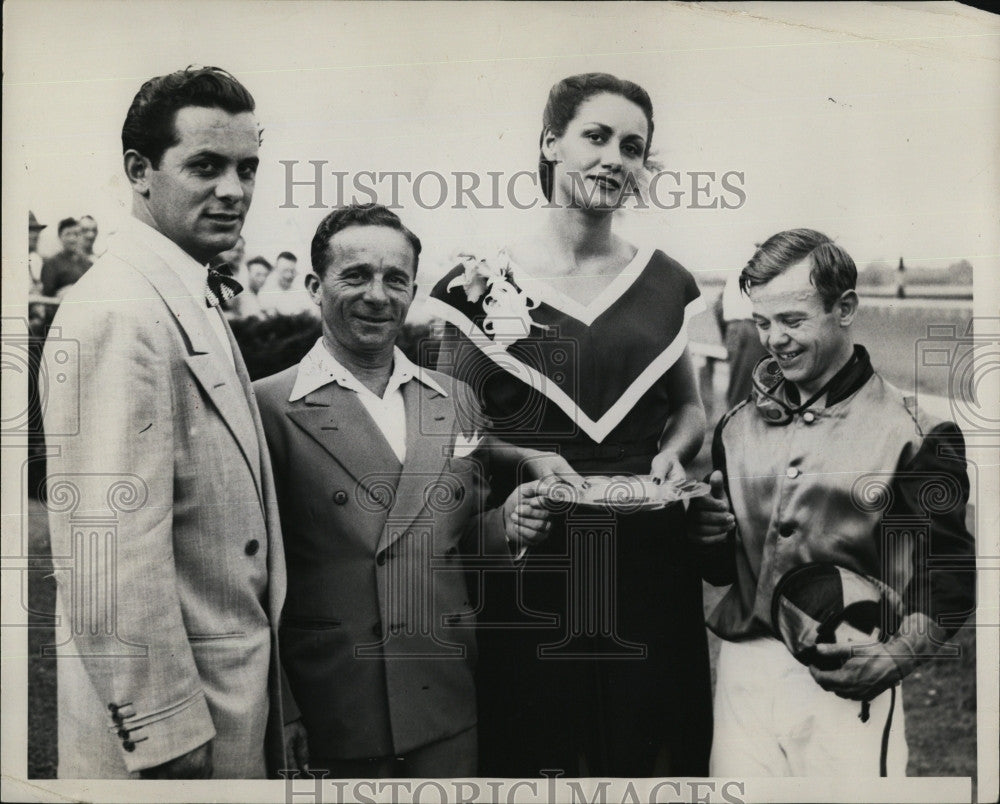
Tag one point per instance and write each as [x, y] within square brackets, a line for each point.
[773, 719]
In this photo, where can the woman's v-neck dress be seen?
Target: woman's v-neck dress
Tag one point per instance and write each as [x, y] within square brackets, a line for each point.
[594, 646]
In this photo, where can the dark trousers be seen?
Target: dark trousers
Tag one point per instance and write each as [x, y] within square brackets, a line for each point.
[450, 758]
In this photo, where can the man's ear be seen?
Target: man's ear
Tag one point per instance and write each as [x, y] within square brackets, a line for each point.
[847, 307]
[313, 282]
[137, 169]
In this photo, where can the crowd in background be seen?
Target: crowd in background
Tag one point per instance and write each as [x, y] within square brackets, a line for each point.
[270, 289]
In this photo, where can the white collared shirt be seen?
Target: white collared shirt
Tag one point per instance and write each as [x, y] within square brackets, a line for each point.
[319, 368]
[192, 275]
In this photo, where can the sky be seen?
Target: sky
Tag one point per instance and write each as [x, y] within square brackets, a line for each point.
[875, 123]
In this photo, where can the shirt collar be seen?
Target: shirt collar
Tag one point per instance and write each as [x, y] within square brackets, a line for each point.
[191, 273]
[319, 368]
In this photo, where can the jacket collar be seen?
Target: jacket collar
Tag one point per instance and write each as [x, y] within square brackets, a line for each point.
[854, 374]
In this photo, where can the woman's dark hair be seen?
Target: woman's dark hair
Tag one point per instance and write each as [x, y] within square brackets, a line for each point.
[356, 215]
[149, 124]
[565, 99]
[833, 270]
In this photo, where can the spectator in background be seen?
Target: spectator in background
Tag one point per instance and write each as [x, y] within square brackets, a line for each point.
[248, 304]
[88, 235]
[34, 258]
[742, 340]
[66, 267]
[283, 295]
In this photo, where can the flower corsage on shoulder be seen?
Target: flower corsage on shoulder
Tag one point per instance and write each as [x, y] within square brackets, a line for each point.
[507, 307]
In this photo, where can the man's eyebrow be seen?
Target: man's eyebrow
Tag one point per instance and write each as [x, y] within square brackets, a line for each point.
[204, 153]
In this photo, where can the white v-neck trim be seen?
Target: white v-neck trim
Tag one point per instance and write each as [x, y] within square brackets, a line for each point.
[597, 429]
[539, 290]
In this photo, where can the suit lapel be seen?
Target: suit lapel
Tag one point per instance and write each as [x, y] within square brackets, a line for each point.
[334, 417]
[214, 374]
[425, 455]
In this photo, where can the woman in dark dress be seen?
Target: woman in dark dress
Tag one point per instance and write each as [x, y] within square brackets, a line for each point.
[593, 657]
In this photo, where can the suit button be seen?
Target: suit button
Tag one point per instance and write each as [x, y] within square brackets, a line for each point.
[128, 745]
[252, 547]
[340, 498]
[808, 417]
[113, 708]
[786, 530]
[380, 558]
[792, 472]
[122, 733]
[377, 629]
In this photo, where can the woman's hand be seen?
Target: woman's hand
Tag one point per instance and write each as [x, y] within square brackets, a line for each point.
[667, 466]
[545, 465]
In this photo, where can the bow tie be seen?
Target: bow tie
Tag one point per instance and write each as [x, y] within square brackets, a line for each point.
[220, 287]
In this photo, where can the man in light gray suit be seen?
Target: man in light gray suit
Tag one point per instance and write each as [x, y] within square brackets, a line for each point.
[162, 505]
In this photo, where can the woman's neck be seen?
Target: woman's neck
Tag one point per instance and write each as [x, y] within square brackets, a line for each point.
[576, 235]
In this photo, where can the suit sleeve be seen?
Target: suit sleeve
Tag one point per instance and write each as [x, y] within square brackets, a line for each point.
[932, 484]
[271, 422]
[717, 563]
[484, 534]
[119, 468]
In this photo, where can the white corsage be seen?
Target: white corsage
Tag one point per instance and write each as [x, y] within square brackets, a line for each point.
[508, 310]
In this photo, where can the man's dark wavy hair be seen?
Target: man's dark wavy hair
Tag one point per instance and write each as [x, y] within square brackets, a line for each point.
[356, 215]
[149, 124]
[833, 270]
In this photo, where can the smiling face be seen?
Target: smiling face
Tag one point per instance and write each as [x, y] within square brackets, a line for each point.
[199, 194]
[600, 154]
[810, 343]
[365, 293]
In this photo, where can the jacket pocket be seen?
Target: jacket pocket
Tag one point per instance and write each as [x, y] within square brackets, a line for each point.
[234, 635]
[310, 623]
